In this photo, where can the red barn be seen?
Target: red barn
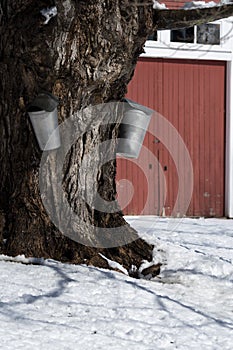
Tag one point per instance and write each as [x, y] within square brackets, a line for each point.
[186, 164]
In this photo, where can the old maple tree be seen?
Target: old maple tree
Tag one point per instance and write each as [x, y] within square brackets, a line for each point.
[85, 55]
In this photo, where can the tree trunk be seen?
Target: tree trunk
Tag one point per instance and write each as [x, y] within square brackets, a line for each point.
[85, 55]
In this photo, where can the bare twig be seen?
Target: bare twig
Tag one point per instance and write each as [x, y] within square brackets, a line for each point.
[174, 19]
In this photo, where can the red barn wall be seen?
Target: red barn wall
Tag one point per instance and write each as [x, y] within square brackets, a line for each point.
[191, 95]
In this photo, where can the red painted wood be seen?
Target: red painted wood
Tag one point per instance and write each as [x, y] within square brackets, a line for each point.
[190, 95]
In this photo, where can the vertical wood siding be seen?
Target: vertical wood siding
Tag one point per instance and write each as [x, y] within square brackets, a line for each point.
[190, 95]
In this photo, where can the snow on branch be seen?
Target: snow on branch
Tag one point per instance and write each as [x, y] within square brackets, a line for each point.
[199, 4]
[49, 13]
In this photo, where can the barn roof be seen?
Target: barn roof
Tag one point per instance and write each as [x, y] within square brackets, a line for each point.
[175, 4]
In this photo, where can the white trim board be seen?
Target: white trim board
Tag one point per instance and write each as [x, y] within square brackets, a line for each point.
[229, 142]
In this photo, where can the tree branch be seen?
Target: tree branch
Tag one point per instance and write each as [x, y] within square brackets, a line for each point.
[175, 19]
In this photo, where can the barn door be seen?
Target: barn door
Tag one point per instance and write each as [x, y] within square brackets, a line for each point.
[191, 96]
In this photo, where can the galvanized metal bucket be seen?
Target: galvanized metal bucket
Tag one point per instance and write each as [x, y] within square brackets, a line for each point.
[133, 129]
[44, 119]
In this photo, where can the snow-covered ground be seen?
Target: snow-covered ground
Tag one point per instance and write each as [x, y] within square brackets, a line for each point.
[190, 306]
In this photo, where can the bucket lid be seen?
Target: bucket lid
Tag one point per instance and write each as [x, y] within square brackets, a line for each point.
[44, 101]
[138, 106]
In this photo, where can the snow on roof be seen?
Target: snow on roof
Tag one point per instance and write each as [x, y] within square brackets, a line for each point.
[175, 4]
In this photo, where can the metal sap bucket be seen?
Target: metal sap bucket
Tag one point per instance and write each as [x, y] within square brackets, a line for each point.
[43, 116]
[133, 128]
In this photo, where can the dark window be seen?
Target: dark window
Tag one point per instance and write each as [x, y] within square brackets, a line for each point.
[153, 36]
[185, 35]
[208, 34]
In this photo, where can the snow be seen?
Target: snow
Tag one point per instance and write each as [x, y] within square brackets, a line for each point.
[192, 4]
[225, 2]
[49, 13]
[158, 6]
[115, 265]
[55, 306]
[199, 4]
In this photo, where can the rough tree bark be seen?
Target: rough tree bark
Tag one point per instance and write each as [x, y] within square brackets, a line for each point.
[85, 55]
